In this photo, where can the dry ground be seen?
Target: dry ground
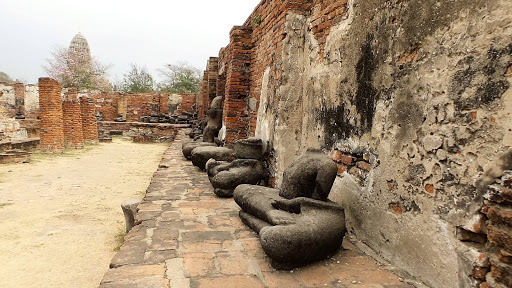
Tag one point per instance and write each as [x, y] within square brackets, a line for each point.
[60, 216]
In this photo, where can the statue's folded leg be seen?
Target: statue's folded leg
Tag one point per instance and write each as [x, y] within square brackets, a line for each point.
[253, 222]
[256, 200]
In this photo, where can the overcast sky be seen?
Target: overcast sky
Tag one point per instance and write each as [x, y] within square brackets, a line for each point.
[145, 32]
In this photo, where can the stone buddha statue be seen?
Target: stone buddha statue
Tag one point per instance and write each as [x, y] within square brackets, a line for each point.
[297, 224]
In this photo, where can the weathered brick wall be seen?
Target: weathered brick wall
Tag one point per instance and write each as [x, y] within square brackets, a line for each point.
[52, 128]
[122, 103]
[164, 104]
[235, 117]
[325, 14]
[32, 126]
[11, 130]
[151, 131]
[221, 75]
[498, 209]
[213, 71]
[131, 105]
[89, 122]
[72, 120]
[145, 104]
[268, 24]
[19, 91]
[203, 103]
[188, 103]
[31, 101]
[106, 104]
[413, 100]
[8, 99]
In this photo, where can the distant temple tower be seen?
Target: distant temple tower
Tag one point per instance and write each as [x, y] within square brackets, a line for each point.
[80, 47]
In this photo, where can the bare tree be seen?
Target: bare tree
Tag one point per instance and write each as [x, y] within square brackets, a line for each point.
[72, 70]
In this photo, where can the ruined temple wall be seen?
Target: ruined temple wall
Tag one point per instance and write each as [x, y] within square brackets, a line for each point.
[131, 105]
[412, 100]
[8, 99]
[268, 23]
[89, 121]
[19, 91]
[187, 104]
[175, 103]
[106, 105]
[213, 71]
[146, 104]
[52, 128]
[72, 120]
[31, 101]
[203, 103]
[235, 116]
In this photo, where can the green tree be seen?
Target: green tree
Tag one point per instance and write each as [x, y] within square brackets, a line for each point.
[137, 79]
[180, 78]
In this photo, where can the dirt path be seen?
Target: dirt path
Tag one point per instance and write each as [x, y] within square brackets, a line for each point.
[60, 215]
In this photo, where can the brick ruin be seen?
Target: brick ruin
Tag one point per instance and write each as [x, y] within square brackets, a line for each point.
[64, 123]
[83, 114]
[414, 107]
[72, 120]
[52, 124]
[411, 99]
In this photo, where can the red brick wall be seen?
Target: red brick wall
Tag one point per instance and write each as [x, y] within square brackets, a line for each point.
[213, 71]
[491, 235]
[89, 122]
[238, 58]
[107, 104]
[19, 92]
[50, 107]
[164, 103]
[187, 103]
[72, 118]
[268, 38]
[247, 56]
[203, 103]
[146, 104]
[221, 75]
[324, 15]
[137, 105]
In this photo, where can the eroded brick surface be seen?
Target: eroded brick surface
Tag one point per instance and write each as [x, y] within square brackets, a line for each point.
[191, 238]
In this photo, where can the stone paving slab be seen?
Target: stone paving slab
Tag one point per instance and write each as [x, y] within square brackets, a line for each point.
[188, 237]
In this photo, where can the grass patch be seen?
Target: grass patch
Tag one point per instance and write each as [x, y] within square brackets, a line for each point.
[119, 239]
[2, 205]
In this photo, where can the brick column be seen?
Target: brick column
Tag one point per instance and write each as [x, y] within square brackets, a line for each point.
[72, 118]
[50, 107]
[89, 123]
[204, 104]
[221, 73]
[236, 97]
[213, 71]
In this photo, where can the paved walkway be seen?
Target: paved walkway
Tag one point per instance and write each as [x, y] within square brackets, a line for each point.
[190, 238]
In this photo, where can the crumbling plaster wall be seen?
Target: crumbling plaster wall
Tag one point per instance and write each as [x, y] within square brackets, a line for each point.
[31, 101]
[175, 101]
[7, 99]
[422, 88]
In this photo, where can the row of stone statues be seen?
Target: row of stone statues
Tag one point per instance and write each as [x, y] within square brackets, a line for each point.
[296, 224]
